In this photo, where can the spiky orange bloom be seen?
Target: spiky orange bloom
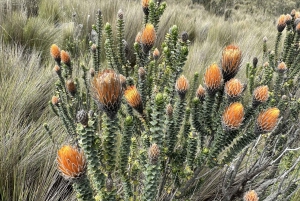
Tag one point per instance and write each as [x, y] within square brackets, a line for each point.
[231, 60]
[154, 153]
[288, 18]
[133, 98]
[57, 69]
[281, 23]
[261, 94]
[200, 93]
[251, 196]
[107, 91]
[156, 54]
[70, 86]
[234, 88]
[145, 3]
[281, 67]
[55, 100]
[148, 37]
[71, 162]
[55, 52]
[65, 57]
[267, 119]
[182, 85]
[213, 78]
[233, 116]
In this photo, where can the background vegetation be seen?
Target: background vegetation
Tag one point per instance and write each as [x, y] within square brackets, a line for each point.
[29, 27]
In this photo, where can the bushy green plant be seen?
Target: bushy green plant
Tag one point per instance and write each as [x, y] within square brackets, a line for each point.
[158, 143]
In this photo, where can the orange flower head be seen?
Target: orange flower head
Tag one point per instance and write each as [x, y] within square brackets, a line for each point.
[133, 98]
[55, 53]
[154, 153]
[65, 57]
[55, 100]
[231, 60]
[281, 23]
[234, 88]
[267, 120]
[288, 18]
[71, 162]
[281, 67]
[107, 91]
[200, 93]
[233, 116]
[182, 85]
[70, 86]
[57, 70]
[156, 54]
[145, 6]
[148, 37]
[260, 94]
[251, 196]
[213, 78]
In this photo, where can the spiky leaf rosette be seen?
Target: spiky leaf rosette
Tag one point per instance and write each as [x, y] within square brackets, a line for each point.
[88, 136]
[157, 120]
[152, 173]
[231, 61]
[107, 91]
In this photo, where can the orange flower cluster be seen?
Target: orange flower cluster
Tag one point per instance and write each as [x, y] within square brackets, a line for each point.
[261, 94]
[148, 37]
[55, 53]
[71, 162]
[200, 93]
[251, 196]
[107, 91]
[231, 60]
[182, 85]
[234, 88]
[233, 116]
[281, 67]
[65, 57]
[281, 24]
[213, 78]
[267, 119]
[133, 98]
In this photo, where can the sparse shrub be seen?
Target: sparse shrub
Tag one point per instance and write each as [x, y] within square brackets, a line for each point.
[161, 142]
